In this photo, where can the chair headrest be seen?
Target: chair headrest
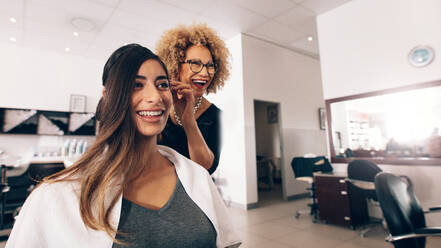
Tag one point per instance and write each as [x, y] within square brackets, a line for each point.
[307, 166]
[363, 170]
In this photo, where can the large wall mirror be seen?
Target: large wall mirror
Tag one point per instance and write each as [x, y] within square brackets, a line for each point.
[395, 126]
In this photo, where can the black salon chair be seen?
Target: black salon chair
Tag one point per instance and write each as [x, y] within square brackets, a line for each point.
[403, 213]
[304, 169]
[19, 187]
[361, 175]
[14, 193]
[36, 172]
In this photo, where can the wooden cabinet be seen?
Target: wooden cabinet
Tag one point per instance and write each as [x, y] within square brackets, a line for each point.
[339, 202]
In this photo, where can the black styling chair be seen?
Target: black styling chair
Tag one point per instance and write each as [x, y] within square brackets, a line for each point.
[4, 188]
[36, 172]
[361, 175]
[304, 169]
[403, 213]
[20, 186]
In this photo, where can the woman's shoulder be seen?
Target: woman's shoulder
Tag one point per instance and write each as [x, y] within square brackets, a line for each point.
[212, 113]
[181, 162]
[214, 109]
[47, 191]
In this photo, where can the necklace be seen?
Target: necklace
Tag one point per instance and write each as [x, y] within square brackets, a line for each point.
[195, 108]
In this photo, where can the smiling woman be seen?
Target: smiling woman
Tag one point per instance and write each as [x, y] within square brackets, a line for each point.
[151, 98]
[198, 62]
[126, 191]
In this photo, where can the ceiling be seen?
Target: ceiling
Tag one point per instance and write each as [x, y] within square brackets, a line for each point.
[101, 26]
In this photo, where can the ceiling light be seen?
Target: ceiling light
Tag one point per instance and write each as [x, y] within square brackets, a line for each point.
[310, 38]
[75, 34]
[13, 20]
[13, 39]
[83, 24]
[67, 49]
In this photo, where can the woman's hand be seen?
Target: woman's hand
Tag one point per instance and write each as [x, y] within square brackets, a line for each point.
[183, 102]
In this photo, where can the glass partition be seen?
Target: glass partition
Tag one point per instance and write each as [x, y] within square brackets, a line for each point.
[396, 126]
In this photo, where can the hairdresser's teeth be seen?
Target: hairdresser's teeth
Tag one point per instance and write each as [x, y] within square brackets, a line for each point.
[199, 81]
[150, 113]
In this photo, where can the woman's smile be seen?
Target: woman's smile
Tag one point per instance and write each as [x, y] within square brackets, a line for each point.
[151, 115]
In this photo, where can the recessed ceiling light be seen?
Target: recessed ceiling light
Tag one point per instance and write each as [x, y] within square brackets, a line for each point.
[13, 20]
[67, 49]
[75, 34]
[83, 24]
[310, 38]
[13, 39]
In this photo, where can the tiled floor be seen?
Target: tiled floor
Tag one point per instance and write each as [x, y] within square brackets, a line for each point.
[274, 226]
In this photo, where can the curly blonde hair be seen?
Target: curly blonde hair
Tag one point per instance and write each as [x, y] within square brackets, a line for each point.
[173, 43]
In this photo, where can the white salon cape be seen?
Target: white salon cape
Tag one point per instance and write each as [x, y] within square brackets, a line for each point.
[51, 218]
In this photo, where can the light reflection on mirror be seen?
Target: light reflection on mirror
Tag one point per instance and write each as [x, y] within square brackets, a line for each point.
[402, 124]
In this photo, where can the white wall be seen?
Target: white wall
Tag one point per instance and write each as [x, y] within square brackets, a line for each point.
[263, 71]
[231, 175]
[364, 44]
[364, 47]
[41, 79]
[275, 74]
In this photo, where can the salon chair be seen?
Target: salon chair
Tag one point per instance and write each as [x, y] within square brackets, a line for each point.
[36, 172]
[403, 213]
[304, 169]
[361, 175]
[14, 193]
[20, 186]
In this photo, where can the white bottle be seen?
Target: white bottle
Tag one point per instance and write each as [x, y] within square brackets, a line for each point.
[72, 147]
[79, 147]
[65, 148]
[84, 147]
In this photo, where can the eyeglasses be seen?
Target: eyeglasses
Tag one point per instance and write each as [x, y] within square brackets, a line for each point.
[196, 66]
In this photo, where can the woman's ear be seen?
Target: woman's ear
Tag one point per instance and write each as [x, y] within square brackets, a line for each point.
[104, 92]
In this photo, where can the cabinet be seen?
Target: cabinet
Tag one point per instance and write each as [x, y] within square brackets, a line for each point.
[339, 202]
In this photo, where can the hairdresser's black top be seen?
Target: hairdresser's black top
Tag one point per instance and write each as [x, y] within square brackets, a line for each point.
[180, 223]
[209, 124]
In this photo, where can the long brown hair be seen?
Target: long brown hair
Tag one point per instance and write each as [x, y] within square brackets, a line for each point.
[103, 171]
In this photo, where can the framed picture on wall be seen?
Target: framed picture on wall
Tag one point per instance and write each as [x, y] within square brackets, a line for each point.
[272, 114]
[77, 103]
[322, 118]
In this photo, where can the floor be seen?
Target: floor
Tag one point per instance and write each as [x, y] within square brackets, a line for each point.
[273, 225]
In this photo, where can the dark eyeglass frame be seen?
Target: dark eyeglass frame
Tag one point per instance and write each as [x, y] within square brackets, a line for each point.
[192, 61]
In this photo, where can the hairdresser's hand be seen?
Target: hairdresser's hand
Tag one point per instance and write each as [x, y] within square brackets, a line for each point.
[183, 102]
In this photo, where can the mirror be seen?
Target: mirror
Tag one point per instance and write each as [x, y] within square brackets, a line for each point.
[396, 126]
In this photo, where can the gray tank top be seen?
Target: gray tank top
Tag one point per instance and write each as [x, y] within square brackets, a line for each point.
[179, 223]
